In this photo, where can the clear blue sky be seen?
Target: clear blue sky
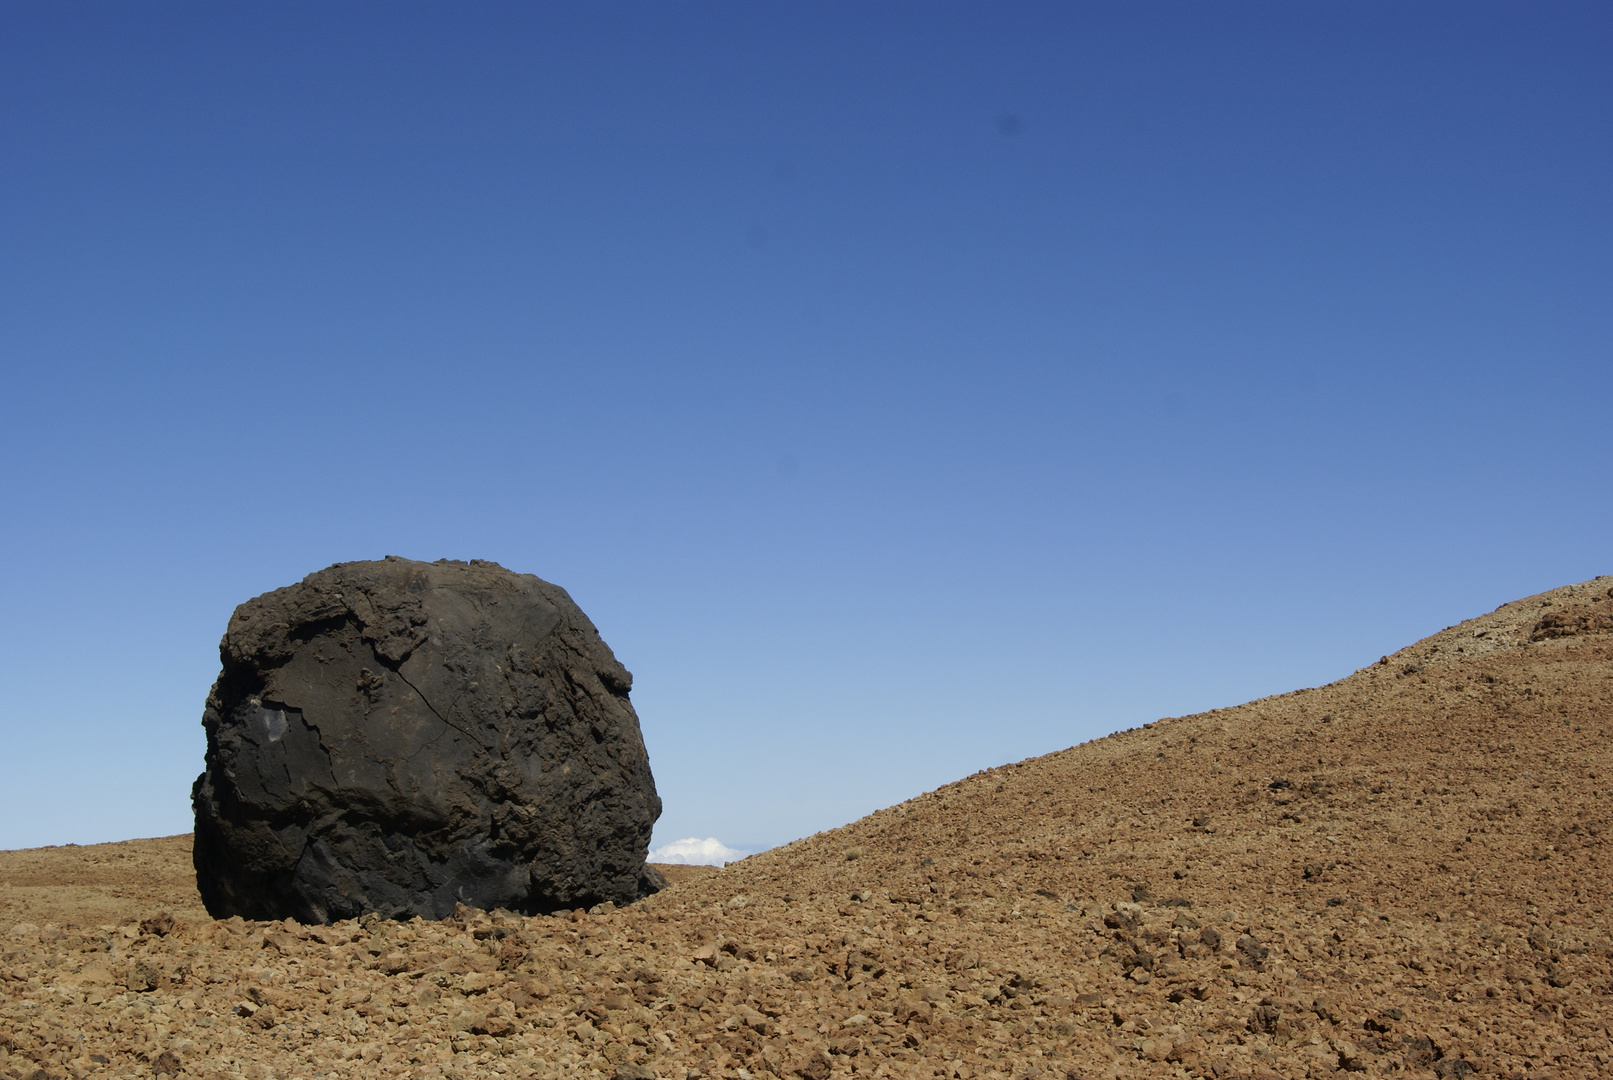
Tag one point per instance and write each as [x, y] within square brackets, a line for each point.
[902, 388]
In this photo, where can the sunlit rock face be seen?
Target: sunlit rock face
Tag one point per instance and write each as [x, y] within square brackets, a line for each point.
[401, 737]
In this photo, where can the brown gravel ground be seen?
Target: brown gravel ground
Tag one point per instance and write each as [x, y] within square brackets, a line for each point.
[1405, 871]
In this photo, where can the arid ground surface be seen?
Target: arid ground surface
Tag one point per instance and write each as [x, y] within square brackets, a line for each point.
[1405, 871]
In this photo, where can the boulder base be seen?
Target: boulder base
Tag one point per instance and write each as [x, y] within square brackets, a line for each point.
[401, 737]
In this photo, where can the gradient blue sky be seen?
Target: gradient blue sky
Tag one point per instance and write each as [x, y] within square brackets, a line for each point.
[902, 388]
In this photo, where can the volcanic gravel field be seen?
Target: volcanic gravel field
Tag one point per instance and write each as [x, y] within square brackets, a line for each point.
[1405, 871]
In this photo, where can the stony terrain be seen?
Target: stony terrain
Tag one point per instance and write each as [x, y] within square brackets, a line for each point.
[1405, 872]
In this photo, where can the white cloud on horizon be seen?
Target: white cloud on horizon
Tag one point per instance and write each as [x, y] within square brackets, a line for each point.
[692, 851]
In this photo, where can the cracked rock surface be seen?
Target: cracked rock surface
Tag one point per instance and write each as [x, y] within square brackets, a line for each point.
[400, 737]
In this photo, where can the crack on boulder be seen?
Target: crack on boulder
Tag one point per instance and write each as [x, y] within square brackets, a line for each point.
[427, 703]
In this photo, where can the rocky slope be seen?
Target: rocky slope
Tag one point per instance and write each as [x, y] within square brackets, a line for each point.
[1405, 871]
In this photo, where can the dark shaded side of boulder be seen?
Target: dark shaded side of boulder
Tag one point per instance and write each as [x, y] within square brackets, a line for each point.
[401, 737]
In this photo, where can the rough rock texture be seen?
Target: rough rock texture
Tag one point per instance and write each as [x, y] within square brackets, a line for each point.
[400, 737]
[1404, 873]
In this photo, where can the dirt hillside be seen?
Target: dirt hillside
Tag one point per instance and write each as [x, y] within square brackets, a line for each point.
[1405, 871]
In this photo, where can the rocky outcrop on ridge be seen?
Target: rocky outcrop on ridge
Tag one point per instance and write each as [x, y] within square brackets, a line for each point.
[403, 737]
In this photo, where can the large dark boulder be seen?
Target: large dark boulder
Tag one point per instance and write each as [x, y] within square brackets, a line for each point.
[401, 737]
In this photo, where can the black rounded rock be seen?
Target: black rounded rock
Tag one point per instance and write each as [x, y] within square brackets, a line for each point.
[401, 737]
